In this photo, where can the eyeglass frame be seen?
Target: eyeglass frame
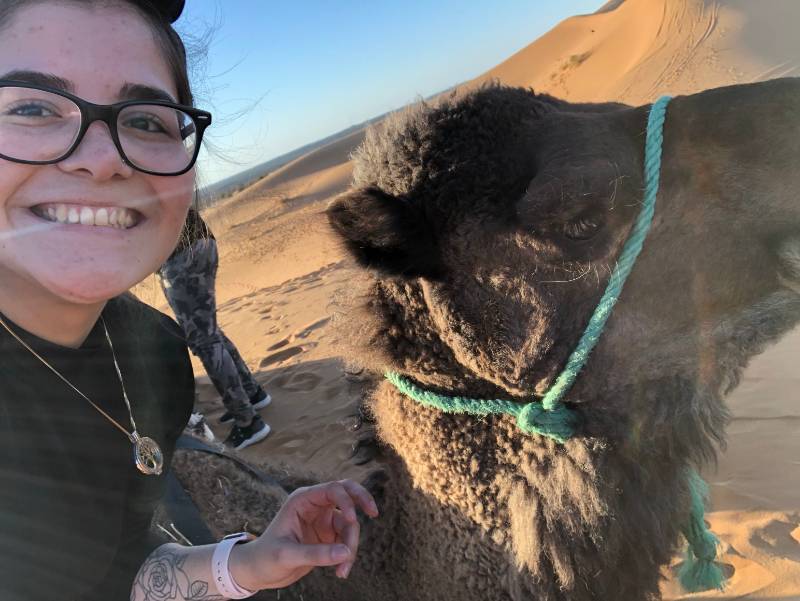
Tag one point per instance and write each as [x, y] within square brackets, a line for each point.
[108, 114]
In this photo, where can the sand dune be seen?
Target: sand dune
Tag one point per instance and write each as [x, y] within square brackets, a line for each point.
[280, 269]
[635, 50]
[316, 175]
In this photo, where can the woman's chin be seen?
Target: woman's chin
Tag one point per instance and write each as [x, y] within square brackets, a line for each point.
[89, 288]
[85, 273]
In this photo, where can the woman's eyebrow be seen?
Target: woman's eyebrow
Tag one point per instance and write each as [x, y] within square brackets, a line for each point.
[137, 91]
[129, 91]
[38, 78]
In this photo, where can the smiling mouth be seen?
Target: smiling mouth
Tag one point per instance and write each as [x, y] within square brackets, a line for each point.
[72, 214]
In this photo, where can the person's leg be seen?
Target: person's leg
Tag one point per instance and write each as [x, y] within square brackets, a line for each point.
[188, 284]
[223, 374]
[253, 389]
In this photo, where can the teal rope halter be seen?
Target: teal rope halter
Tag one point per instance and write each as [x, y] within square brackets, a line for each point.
[552, 418]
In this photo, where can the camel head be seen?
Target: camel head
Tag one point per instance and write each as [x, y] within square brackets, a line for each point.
[491, 219]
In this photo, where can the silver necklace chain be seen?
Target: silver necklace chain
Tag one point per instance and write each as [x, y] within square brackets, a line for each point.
[121, 383]
[147, 453]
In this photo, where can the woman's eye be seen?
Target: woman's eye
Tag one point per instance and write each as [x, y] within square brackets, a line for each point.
[145, 123]
[31, 110]
[581, 229]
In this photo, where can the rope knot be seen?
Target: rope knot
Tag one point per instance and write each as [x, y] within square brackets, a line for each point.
[557, 423]
[703, 543]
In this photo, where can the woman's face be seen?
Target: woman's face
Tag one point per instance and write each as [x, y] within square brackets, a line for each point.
[99, 54]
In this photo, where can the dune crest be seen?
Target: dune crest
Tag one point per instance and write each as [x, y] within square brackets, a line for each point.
[636, 50]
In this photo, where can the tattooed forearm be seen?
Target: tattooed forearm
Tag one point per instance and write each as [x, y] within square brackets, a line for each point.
[167, 575]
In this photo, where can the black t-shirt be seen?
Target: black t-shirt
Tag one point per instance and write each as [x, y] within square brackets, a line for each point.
[74, 510]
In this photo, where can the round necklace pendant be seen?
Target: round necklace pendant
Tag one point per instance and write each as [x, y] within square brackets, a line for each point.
[147, 455]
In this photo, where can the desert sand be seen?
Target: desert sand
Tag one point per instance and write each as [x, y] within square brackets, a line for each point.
[281, 272]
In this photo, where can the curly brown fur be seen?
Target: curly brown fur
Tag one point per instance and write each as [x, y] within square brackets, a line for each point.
[490, 222]
[229, 499]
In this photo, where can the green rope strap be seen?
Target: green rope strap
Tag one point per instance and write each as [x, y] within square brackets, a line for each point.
[550, 417]
[532, 418]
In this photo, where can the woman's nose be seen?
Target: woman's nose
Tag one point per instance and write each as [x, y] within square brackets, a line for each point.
[97, 155]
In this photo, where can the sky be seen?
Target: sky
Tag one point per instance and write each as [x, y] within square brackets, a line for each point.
[278, 75]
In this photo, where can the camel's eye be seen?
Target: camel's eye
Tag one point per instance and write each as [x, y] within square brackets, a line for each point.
[581, 229]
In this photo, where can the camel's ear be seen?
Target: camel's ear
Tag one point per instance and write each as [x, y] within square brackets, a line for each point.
[384, 233]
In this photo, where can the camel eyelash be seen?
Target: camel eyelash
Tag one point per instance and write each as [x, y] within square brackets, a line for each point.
[581, 228]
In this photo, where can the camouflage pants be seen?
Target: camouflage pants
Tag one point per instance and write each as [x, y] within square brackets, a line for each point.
[188, 280]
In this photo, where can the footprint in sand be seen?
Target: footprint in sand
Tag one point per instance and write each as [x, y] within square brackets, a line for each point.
[304, 381]
[306, 331]
[303, 333]
[279, 344]
[778, 538]
[280, 356]
[333, 391]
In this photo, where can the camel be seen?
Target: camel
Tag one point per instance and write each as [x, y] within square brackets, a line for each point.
[487, 224]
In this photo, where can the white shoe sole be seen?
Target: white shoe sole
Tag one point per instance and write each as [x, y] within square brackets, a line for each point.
[257, 437]
[263, 402]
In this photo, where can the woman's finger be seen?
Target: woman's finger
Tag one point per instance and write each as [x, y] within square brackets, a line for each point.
[290, 555]
[349, 535]
[337, 494]
[339, 524]
[361, 496]
[313, 499]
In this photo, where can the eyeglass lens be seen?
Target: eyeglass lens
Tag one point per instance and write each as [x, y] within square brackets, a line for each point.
[39, 126]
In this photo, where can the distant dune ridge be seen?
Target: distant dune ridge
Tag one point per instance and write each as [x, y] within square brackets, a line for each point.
[280, 269]
[635, 50]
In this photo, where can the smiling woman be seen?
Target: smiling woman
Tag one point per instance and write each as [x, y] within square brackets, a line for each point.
[98, 140]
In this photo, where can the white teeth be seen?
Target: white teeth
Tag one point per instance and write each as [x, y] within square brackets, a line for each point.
[117, 217]
[101, 217]
[87, 217]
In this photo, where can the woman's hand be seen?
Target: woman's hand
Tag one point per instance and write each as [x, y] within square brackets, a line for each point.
[317, 526]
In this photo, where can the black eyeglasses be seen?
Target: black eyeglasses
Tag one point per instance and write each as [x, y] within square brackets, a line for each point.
[41, 125]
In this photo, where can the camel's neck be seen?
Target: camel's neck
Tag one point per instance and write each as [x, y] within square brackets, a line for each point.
[728, 142]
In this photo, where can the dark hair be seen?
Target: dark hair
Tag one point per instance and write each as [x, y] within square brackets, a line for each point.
[165, 35]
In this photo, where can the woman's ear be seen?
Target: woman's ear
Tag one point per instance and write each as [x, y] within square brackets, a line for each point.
[385, 233]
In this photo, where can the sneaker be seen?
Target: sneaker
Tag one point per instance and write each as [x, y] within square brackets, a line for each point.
[244, 436]
[198, 427]
[261, 401]
[258, 403]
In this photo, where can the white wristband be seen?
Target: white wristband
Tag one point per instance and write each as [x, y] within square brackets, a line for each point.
[226, 585]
